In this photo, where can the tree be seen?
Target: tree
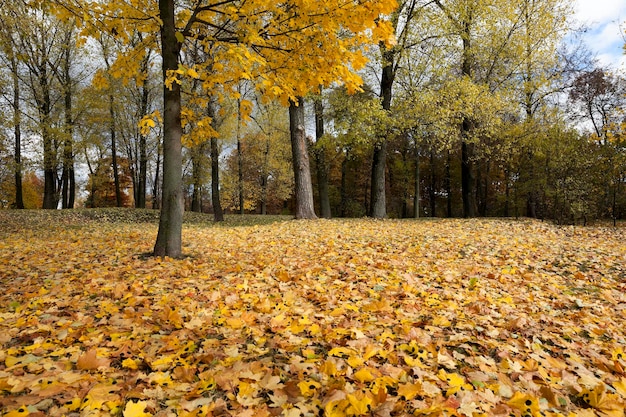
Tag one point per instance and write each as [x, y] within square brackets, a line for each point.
[266, 172]
[401, 20]
[300, 158]
[8, 43]
[279, 46]
[319, 152]
[38, 37]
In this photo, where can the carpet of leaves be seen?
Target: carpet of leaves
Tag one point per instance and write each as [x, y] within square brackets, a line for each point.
[311, 318]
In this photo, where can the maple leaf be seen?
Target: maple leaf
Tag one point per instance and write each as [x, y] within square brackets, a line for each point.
[90, 360]
[136, 409]
[247, 342]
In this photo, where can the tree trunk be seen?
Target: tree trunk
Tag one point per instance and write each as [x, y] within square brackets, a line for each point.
[156, 201]
[169, 237]
[116, 175]
[218, 212]
[432, 195]
[140, 194]
[197, 168]
[379, 164]
[300, 156]
[507, 194]
[344, 187]
[468, 180]
[240, 173]
[320, 161]
[448, 184]
[17, 129]
[50, 197]
[69, 178]
[264, 174]
[416, 194]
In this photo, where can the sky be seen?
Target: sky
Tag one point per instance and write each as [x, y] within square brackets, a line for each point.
[604, 18]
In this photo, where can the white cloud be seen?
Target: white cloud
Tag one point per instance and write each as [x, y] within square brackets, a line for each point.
[595, 12]
[606, 22]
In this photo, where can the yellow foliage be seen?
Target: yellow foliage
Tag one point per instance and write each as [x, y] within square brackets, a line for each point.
[92, 324]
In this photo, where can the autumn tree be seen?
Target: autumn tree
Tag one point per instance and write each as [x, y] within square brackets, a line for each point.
[265, 170]
[39, 39]
[9, 57]
[280, 46]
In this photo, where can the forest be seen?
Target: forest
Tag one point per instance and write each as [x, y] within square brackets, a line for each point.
[421, 108]
[309, 208]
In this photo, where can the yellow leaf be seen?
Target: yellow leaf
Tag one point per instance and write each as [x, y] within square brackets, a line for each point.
[20, 412]
[308, 388]
[129, 363]
[409, 390]
[90, 361]
[363, 375]
[525, 403]
[180, 37]
[136, 409]
[192, 73]
[360, 404]
[620, 387]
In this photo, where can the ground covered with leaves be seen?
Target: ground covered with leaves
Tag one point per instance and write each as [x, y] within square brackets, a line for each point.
[310, 318]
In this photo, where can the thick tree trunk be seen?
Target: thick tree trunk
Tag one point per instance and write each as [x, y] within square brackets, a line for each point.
[379, 163]
[17, 129]
[379, 208]
[468, 181]
[300, 155]
[169, 237]
[320, 162]
[467, 174]
[69, 179]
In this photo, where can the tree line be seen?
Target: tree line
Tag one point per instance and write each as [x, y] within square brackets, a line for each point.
[415, 108]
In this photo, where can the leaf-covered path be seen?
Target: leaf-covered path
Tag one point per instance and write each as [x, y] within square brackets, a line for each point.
[336, 318]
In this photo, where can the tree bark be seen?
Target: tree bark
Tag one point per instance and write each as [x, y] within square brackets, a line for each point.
[50, 194]
[17, 129]
[116, 175]
[300, 156]
[68, 177]
[197, 168]
[240, 173]
[416, 194]
[379, 162]
[432, 195]
[448, 185]
[169, 237]
[218, 212]
[140, 194]
[320, 161]
[467, 181]
[264, 174]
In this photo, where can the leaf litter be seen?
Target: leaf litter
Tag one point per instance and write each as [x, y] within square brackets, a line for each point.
[307, 318]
